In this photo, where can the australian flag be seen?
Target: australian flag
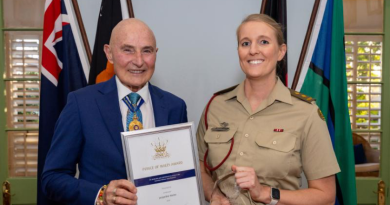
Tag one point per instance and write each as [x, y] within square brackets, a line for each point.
[62, 72]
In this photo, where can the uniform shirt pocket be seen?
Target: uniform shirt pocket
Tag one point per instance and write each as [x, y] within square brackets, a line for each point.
[219, 143]
[274, 154]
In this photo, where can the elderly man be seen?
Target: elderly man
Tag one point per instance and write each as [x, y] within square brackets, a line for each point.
[88, 130]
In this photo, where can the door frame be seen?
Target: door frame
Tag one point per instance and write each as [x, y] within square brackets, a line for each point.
[3, 118]
[385, 139]
[367, 187]
[23, 189]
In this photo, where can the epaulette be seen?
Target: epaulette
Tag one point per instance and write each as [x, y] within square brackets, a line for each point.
[301, 96]
[225, 90]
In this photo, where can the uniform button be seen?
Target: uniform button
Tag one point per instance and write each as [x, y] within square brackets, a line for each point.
[251, 118]
[241, 153]
[218, 136]
[274, 142]
[246, 135]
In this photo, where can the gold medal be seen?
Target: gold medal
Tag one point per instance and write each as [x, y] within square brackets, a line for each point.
[135, 124]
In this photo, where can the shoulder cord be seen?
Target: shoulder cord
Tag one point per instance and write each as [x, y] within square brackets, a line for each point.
[224, 159]
[207, 151]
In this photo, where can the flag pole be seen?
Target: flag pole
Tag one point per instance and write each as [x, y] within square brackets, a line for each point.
[82, 30]
[277, 9]
[305, 44]
[263, 3]
[130, 8]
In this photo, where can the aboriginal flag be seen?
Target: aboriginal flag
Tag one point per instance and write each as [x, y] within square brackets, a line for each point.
[277, 9]
[110, 15]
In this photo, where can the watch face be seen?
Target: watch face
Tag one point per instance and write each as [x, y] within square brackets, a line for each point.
[275, 193]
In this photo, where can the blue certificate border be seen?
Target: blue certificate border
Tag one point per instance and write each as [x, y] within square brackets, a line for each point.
[164, 178]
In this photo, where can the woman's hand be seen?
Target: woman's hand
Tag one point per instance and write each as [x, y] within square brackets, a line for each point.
[219, 199]
[120, 192]
[246, 178]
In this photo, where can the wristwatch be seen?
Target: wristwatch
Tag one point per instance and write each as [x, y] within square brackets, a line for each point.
[275, 196]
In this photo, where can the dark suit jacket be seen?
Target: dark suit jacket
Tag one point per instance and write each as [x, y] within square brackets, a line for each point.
[87, 133]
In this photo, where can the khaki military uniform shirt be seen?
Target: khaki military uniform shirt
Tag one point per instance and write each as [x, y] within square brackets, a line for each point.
[283, 137]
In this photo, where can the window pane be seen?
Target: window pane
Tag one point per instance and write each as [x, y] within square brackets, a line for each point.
[23, 153]
[23, 13]
[374, 138]
[23, 104]
[364, 58]
[364, 101]
[23, 50]
[363, 15]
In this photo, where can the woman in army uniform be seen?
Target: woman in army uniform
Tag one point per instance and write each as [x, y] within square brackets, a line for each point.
[255, 139]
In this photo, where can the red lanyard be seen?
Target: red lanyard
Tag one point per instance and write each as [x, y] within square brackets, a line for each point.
[207, 151]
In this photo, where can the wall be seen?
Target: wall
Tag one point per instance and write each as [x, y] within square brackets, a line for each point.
[197, 44]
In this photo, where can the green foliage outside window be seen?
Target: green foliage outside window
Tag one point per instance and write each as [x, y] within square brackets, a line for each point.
[363, 104]
[376, 50]
[348, 49]
[374, 112]
[363, 57]
[374, 120]
[361, 120]
[349, 42]
[361, 97]
[363, 50]
[376, 57]
[364, 43]
[364, 100]
[375, 127]
[362, 112]
[363, 66]
[375, 105]
[363, 73]
[349, 66]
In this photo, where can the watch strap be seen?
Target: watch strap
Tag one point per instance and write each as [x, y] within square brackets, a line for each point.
[274, 201]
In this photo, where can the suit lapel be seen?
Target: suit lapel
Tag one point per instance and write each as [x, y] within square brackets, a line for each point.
[159, 106]
[108, 104]
[109, 108]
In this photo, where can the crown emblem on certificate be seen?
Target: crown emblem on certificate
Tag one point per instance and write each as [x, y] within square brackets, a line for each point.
[135, 124]
[161, 149]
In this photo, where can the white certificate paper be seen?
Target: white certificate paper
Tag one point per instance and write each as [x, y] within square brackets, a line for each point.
[163, 164]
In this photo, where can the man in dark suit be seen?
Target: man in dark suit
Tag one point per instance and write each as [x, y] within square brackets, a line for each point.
[87, 133]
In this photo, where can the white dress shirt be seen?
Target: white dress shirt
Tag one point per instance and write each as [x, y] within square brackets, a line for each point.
[146, 108]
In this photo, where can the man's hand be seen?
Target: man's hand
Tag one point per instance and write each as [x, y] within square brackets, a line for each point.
[120, 192]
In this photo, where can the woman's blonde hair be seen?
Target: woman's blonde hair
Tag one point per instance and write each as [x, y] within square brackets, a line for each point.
[266, 19]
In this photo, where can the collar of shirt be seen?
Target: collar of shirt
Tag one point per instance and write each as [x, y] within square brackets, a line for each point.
[146, 108]
[279, 93]
[123, 91]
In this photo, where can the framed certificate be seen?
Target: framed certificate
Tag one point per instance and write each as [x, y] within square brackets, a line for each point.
[163, 164]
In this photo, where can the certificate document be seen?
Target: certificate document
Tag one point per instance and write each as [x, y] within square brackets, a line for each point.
[163, 164]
